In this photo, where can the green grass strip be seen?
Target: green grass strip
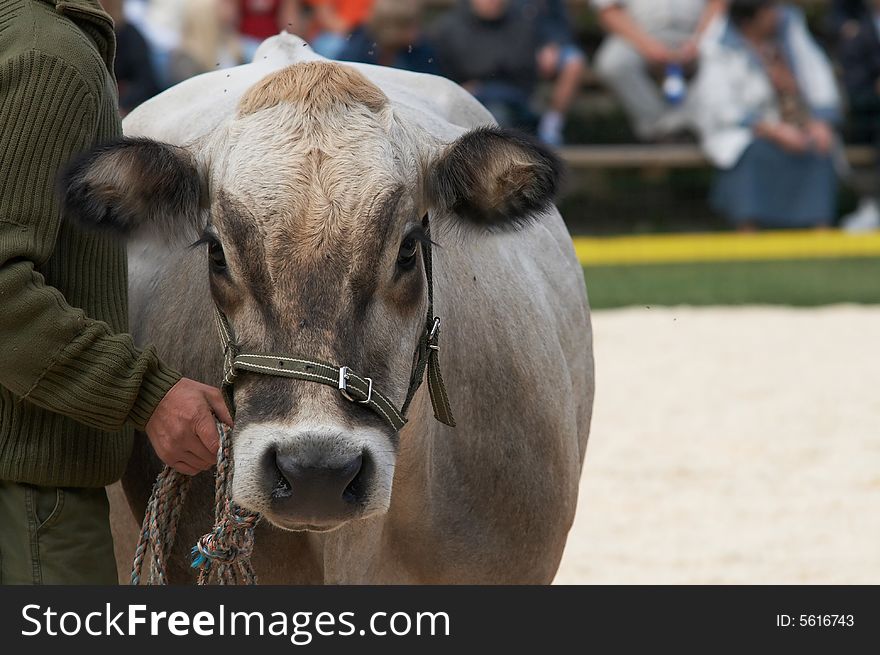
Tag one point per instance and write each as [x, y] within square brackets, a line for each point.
[792, 282]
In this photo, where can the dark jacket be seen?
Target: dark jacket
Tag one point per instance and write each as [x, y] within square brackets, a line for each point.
[361, 47]
[502, 51]
[134, 70]
[843, 11]
[860, 61]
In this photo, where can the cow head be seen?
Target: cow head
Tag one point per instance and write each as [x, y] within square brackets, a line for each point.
[308, 206]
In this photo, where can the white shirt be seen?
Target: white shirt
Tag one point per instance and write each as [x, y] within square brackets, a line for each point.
[659, 16]
[732, 91]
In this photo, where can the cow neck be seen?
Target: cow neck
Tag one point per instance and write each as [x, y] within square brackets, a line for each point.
[352, 386]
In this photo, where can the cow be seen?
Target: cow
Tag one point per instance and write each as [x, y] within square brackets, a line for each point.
[313, 189]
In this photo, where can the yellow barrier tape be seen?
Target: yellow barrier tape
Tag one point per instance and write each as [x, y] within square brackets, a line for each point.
[726, 246]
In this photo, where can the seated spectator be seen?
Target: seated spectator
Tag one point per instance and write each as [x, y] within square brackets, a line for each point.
[859, 52]
[845, 16]
[334, 21]
[648, 42]
[160, 21]
[559, 59]
[766, 103]
[260, 19]
[489, 48]
[209, 39]
[392, 37]
[133, 66]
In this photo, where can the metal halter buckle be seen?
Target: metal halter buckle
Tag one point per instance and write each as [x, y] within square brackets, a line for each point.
[343, 386]
[433, 333]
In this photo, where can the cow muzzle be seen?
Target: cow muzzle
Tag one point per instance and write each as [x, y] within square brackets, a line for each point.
[316, 494]
[314, 479]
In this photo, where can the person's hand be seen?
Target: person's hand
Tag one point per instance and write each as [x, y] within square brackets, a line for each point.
[548, 60]
[850, 29]
[821, 136]
[656, 53]
[786, 136]
[689, 52]
[183, 430]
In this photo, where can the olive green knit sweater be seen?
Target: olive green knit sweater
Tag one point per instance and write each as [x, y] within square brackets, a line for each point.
[72, 384]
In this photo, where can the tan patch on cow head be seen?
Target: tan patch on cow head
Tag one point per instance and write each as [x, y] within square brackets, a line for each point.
[318, 84]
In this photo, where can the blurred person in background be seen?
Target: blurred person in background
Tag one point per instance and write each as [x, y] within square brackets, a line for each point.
[489, 48]
[393, 37]
[160, 22]
[559, 59]
[652, 44]
[333, 22]
[209, 39]
[260, 19]
[858, 48]
[766, 103]
[132, 67]
[845, 15]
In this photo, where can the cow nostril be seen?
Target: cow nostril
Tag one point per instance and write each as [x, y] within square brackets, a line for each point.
[355, 490]
[281, 485]
[311, 483]
[351, 469]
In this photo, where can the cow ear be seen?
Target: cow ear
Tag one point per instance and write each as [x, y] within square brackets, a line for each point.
[494, 178]
[135, 187]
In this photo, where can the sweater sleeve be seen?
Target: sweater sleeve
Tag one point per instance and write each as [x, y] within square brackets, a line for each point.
[53, 355]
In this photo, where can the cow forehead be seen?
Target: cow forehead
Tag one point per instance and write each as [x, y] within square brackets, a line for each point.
[312, 174]
[283, 155]
[319, 85]
[303, 237]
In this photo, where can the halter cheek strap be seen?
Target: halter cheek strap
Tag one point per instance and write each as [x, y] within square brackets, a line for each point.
[353, 387]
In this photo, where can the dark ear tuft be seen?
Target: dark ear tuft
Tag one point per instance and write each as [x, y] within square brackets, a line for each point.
[495, 178]
[134, 186]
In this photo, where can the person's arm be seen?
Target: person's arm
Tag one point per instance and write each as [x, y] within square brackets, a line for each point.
[714, 8]
[786, 136]
[720, 109]
[615, 19]
[54, 355]
[816, 78]
[690, 50]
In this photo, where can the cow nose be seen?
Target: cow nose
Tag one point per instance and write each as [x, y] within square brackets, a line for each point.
[317, 491]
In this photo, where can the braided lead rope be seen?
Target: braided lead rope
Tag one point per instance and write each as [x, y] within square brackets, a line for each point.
[229, 544]
[224, 553]
[160, 525]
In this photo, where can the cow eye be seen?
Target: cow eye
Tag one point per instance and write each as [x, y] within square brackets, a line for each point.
[216, 257]
[406, 258]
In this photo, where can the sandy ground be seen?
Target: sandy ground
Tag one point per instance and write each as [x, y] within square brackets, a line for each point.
[736, 445]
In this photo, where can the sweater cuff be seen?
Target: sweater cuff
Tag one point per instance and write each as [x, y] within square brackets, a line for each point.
[156, 383]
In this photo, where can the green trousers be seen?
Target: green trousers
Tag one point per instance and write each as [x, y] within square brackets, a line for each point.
[55, 535]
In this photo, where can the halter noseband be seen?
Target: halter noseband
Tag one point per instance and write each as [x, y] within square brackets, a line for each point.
[353, 387]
